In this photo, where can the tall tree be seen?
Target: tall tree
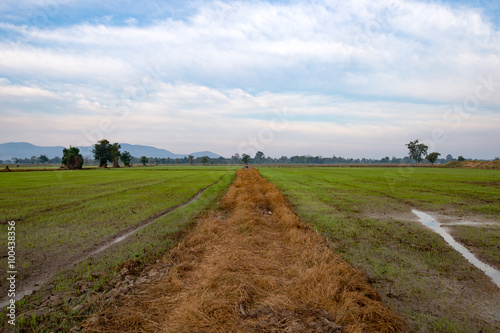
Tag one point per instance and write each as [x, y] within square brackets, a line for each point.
[259, 156]
[126, 158]
[236, 158]
[114, 150]
[246, 159]
[144, 160]
[417, 150]
[432, 157]
[102, 153]
[204, 160]
[72, 158]
[191, 159]
[43, 159]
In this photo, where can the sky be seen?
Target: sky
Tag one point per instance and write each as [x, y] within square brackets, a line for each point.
[307, 77]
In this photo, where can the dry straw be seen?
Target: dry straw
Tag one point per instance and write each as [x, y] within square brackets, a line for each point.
[255, 267]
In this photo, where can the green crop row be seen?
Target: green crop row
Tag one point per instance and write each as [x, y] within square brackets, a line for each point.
[62, 215]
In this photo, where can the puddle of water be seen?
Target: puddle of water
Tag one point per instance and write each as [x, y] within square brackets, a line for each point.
[431, 223]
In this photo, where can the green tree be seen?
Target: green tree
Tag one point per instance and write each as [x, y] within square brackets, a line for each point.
[114, 150]
[236, 158]
[191, 159]
[259, 156]
[43, 159]
[245, 158]
[461, 158]
[102, 153]
[417, 150]
[144, 160]
[72, 158]
[126, 158]
[432, 157]
[204, 160]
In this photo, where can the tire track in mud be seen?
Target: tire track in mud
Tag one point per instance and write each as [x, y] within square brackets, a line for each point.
[50, 267]
[252, 266]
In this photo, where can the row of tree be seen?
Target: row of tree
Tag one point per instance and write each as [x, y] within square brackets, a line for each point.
[417, 151]
[105, 152]
[42, 159]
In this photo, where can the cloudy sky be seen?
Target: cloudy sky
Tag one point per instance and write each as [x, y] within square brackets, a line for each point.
[321, 77]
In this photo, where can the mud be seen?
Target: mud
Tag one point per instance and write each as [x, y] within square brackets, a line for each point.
[435, 226]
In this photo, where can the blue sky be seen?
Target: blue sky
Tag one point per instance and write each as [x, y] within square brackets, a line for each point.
[356, 79]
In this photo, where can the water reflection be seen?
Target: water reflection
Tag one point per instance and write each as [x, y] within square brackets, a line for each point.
[430, 222]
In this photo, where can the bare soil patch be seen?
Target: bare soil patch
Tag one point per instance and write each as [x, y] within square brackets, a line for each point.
[251, 266]
[474, 164]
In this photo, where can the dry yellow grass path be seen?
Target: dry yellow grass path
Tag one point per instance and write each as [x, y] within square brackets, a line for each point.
[255, 267]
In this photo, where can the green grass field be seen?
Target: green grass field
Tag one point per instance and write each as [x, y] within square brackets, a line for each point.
[60, 215]
[366, 214]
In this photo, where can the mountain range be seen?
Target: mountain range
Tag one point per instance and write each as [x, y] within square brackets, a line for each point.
[26, 150]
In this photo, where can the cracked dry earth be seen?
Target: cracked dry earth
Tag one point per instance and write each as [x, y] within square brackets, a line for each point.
[250, 266]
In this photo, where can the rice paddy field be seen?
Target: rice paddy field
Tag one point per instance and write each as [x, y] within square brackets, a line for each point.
[63, 217]
[366, 215]
[69, 226]
[251, 266]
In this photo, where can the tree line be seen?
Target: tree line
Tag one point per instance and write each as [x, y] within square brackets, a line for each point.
[105, 152]
[418, 151]
[42, 159]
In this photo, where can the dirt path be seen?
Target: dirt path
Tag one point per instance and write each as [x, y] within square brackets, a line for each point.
[253, 267]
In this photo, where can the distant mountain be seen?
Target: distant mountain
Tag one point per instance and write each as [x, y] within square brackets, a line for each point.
[148, 151]
[204, 153]
[26, 150]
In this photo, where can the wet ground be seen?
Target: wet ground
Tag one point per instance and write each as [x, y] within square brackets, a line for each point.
[437, 227]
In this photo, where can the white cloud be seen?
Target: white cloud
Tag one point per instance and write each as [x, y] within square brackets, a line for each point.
[388, 46]
[131, 21]
[63, 65]
[187, 118]
[10, 90]
[218, 75]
